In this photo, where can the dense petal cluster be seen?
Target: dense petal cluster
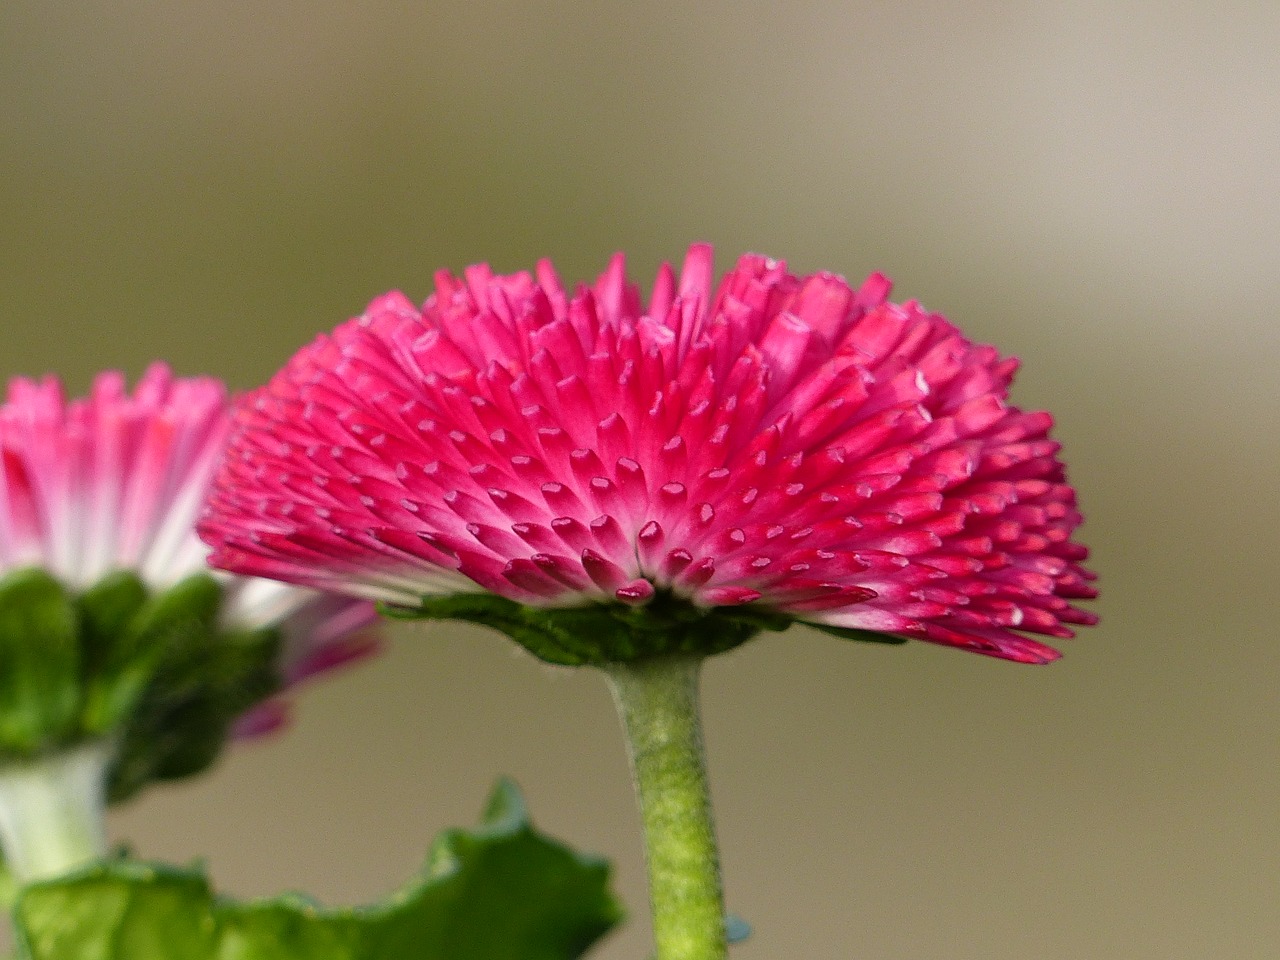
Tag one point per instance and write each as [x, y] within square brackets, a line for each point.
[789, 442]
[114, 482]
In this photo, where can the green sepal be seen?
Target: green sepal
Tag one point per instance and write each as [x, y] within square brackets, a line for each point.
[605, 632]
[154, 673]
[863, 636]
[39, 664]
[500, 892]
[112, 679]
[199, 679]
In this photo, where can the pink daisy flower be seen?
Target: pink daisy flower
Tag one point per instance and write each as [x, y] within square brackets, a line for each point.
[114, 481]
[777, 444]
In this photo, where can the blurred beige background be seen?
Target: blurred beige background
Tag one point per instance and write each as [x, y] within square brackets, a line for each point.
[1090, 185]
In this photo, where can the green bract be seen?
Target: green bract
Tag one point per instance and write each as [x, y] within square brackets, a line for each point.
[500, 892]
[614, 632]
[153, 672]
[40, 665]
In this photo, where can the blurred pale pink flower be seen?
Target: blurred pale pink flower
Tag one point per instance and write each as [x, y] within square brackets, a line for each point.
[114, 482]
[785, 442]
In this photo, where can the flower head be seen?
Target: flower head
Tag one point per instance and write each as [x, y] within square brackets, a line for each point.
[771, 443]
[98, 501]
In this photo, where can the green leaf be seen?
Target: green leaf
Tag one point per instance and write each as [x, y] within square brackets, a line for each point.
[499, 892]
[39, 663]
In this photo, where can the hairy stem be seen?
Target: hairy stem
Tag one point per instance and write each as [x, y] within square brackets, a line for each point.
[657, 701]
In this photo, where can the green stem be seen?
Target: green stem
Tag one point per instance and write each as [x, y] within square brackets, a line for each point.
[657, 700]
[52, 811]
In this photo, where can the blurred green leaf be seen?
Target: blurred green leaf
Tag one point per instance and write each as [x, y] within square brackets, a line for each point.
[500, 892]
